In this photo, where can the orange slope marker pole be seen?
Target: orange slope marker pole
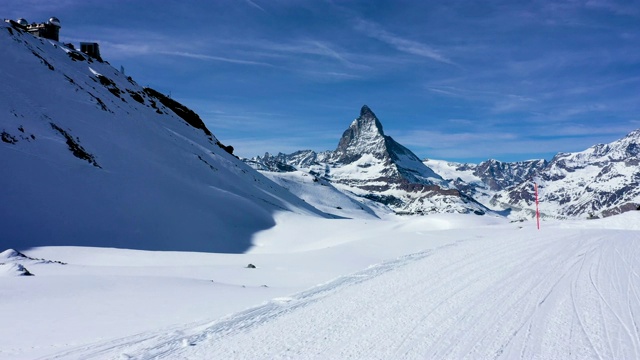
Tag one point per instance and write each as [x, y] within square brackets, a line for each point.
[537, 208]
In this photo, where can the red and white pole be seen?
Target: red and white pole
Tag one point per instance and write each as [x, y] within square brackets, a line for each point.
[537, 208]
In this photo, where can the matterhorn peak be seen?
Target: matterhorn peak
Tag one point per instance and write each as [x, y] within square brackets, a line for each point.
[366, 112]
[367, 122]
[364, 136]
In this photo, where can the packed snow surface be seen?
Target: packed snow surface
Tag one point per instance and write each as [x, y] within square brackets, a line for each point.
[439, 286]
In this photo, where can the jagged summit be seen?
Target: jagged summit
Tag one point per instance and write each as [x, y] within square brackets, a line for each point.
[634, 134]
[364, 136]
[365, 112]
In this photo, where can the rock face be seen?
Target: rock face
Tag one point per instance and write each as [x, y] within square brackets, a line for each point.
[600, 181]
[482, 181]
[498, 175]
[372, 165]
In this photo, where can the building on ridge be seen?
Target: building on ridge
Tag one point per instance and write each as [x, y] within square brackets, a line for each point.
[51, 30]
[90, 48]
[47, 30]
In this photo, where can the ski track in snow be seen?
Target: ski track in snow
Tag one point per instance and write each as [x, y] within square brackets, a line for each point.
[575, 297]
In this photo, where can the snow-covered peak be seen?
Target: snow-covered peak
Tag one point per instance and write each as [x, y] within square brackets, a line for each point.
[620, 150]
[364, 136]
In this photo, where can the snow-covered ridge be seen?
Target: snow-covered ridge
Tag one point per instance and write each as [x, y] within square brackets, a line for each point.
[91, 158]
[602, 180]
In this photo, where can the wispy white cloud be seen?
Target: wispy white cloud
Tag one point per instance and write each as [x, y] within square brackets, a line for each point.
[512, 103]
[213, 58]
[255, 5]
[504, 146]
[401, 44]
[291, 49]
[630, 8]
[149, 43]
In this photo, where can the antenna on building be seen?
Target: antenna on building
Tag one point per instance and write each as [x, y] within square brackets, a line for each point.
[122, 69]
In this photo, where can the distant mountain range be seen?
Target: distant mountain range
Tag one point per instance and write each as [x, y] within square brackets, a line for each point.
[600, 181]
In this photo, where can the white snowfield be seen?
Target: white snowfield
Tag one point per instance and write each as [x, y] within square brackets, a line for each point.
[436, 287]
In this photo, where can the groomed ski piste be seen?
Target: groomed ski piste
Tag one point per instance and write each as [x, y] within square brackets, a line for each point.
[434, 287]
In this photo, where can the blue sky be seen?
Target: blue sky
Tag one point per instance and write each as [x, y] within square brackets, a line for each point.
[457, 80]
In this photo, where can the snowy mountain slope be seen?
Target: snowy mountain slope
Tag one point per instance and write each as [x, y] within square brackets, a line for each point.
[322, 195]
[372, 165]
[90, 158]
[600, 181]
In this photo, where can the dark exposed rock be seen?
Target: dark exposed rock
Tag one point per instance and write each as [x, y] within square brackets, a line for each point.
[76, 149]
[228, 148]
[8, 138]
[136, 96]
[182, 111]
[45, 62]
[110, 85]
[76, 56]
